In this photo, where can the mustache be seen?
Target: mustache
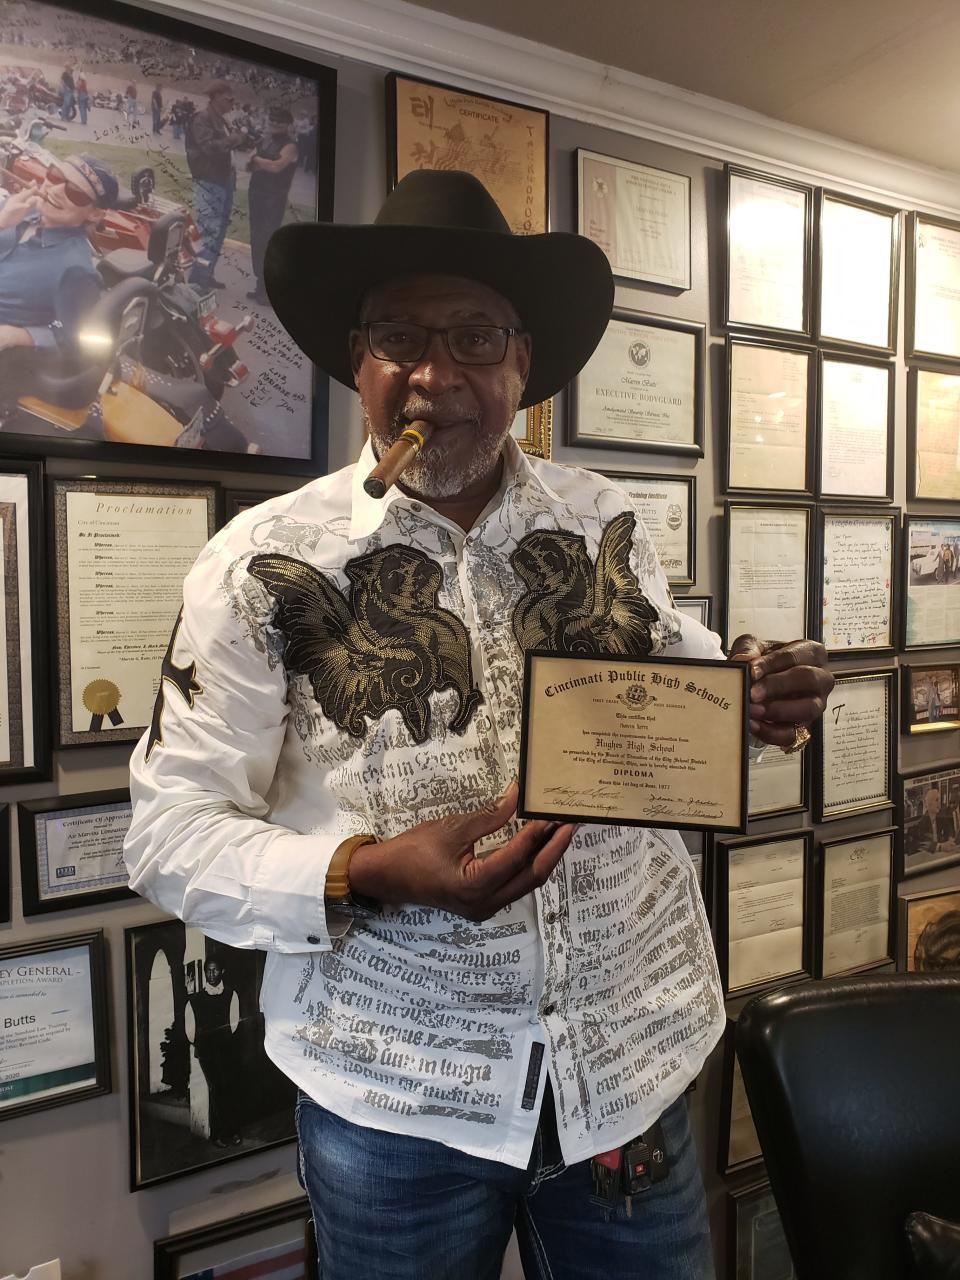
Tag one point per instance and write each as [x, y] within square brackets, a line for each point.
[441, 411]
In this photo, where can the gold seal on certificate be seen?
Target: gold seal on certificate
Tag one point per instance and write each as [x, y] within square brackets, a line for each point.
[102, 698]
[649, 742]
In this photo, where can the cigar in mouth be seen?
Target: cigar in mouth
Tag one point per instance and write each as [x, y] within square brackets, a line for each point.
[398, 457]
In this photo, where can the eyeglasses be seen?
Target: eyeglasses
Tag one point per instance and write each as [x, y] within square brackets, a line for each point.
[403, 343]
[76, 195]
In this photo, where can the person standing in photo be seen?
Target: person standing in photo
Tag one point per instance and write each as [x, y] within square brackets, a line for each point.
[211, 1019]
[67, 93]
[209, 146]
[83, 98]
[156, 108]
[271, 167]
[130, 105]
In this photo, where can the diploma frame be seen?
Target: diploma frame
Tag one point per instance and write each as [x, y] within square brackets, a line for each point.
[914, 303]
[699, 607]
[923, 566]
[726, 1165]
[733, 504]
[821, 792]
[753, 1225]
[889, 515]
[738, 342]
[804, 249]
[686, 576]
[172, 1255]
[927, 933]
[578, 431]
[912, 860]
[890, 268]
[30, 815]
[819, 917]
[914, 483]
[915, 681]
[34, 950]
[888, 367]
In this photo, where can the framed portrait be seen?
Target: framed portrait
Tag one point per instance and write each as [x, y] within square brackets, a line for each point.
[778, 783]
[933, 287]
[931, 567]
[757, 1249]
[930, 697]
[769, 254]
[929, 820]
[739, 1147]
[767, 569]
[196, 359]
[54, 1037]
[699, 607]
[275, 1243]
[642, 388]
[5, 877]
[933, 435]
[533, 429]
[668, 507]
[929, 931]
[504, 145]
[121, 550]
[856, 428]
[858, 271]
[854, 917]
[24, 706]
[639, 216]
[858, 580]
[856, 746]
[762, 910]
[71, 850]
[770, 409]
[202, 1089]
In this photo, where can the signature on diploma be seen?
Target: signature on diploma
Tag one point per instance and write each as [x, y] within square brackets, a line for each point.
[674, 808]
[572, 797]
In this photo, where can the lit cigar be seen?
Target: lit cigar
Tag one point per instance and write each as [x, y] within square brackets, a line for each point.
[397, 458]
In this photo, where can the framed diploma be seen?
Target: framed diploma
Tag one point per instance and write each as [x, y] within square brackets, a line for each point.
[777, 783]
[930, 697]
[858, 269]
[533, 429]
[642, 388]
[929, 931]
[771, 395]
[856, 741]
[739, 1146]
[71, 850]
[933, 287]
[932, 571]
[54, 1035]
[768, 269]
[659, 742]
[856, 435]
[640, 218]
[275, 1243]
[699, 607]
[854, 920]
[668, 508]
[763, 890]
[933, 435]
[121, 551]
[5, 877]
[929, 820]
[437, 126]
[857, 562]
[757, 1248]
[767, 557]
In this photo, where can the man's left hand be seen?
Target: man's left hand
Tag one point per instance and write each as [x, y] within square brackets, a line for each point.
[790, 684]
[13, 336]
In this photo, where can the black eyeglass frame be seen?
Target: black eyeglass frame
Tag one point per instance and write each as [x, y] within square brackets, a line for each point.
[508, 333]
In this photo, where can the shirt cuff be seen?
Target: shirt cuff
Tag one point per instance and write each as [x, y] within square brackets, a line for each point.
[287, 898]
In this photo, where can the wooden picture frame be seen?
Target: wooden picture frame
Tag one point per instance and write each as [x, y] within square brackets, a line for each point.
[929, 931]
[930, 697]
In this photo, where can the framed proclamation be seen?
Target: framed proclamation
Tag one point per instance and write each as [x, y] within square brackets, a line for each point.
[739, 1146]
[437, 126]
[929, 820]
[771, 398]
[858, 269]
[932, 571]
[763, 890]
[121, 552]
[668, 507]
[768, 269]
[929, 931]
[642, 388]
[854, 918]
[640, 218]
[933, 288]
[856, 740]
[933, 435]
[856, 432]
[929, 697]
[757, 1248]
[71, 850]
[857, 562]
[768, 549]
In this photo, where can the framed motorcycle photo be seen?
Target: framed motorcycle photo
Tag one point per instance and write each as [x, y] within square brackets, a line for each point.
[144, 164]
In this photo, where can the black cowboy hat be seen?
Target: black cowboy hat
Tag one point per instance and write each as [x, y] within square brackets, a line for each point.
[442, 223]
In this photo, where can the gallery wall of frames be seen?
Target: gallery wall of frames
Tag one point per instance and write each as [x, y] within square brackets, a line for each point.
[778, 391]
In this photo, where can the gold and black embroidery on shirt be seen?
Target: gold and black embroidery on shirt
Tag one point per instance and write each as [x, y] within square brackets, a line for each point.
[184, 679]
[389, 646]
[574, 606]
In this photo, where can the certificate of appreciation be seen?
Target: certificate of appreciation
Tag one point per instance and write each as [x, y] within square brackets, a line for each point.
[767, 417]
[646, 742]
[856, 428]
[71, 850]
[768, 252]
[936, 288]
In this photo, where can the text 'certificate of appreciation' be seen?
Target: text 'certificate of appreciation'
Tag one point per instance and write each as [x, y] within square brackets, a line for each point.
[936, 303]
[765, 888]
[767, 253]
[768, 417]
[767, 572]
[855, 428]
[857, 582]
[647, 742]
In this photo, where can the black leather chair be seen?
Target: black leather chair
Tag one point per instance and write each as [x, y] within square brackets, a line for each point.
[854, 1084]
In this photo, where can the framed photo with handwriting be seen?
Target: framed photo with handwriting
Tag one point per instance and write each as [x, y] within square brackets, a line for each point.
[858, 271]
[858, 580]
[533, 429]
[767, 553]
[930, 697]
[856, 746]
[929, 931]
[668, 507]
[856, 427]
[854, 918]
[771, 401]
[275, 1243]
[929, 819]
[71, 850]
[931, 567]
[933, 435]
[757, 1248]
[739, 1146]
[933, 288]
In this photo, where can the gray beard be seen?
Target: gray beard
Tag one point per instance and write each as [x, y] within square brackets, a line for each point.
[430, 474]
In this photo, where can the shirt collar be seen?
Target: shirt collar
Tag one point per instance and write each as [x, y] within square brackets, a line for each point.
[47, 235]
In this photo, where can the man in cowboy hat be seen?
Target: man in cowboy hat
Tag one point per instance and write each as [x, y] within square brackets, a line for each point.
[472, 1007]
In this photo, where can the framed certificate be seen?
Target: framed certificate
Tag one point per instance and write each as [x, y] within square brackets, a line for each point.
[640, 218]
[771, 395]
[763, 890]
[699, 607]
[767, 557]
[929, 931]
[777, 783]
[71, 850]
[54, 1034]
[930, 697]
[856, 432]
[668, 508]
[857, 562]
[533, 429]
[275, 1243]
[933, 287]
[121, 551]
[856, 741]
[739, 1146]
[768, 269]
[757, 1248]
[929, 820]
[642, 388]
[858, 270]
[933, 435]
[854, 919]
[932, 571]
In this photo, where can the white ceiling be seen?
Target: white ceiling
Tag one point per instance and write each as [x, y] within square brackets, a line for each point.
[881, 73]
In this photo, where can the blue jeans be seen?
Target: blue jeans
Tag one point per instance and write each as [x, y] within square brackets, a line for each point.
[400, 1208]
[214, 204]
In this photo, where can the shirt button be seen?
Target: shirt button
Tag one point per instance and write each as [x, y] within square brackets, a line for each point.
[548, 1009]
[416, 508]
[550, 917]
[313, 939]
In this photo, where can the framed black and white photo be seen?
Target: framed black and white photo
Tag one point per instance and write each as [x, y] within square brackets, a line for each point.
[929, 931]
[929, 819]
[54, 1034]
[768, 549]
[739, 1147]
[668, 507]
[778, 783]
[931, 567]
[933, 287]
[275, 1243]
[642, 388]
[930, 697]
[933, 435]
[533, 429]
[856, 746]
[699, 607]
[854, 916]
[757, 1249]
[856, 428]
[71, 850]
[770, 413]
[858, 269]
[858, 580]
[202, 1089]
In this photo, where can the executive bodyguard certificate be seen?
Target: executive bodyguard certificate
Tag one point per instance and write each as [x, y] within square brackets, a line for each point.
[656, 742]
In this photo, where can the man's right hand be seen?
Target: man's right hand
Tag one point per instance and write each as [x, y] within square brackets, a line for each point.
[17, 206]
[433, 864]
